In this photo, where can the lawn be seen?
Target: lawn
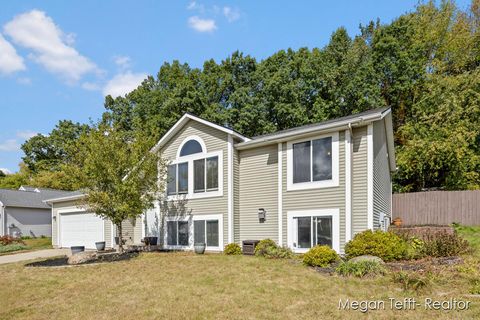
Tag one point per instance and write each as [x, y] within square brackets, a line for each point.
[30, 244]
[212, 286]
[472, 235]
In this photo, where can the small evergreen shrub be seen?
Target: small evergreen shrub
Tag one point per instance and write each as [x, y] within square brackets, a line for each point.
[320, 256]
[443, 244]
[263, 246]
[232, 249]
[385, 245]
[278, 253]
[360, 269]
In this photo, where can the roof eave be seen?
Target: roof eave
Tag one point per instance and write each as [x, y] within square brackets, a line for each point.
[282, 137]
[63, 199]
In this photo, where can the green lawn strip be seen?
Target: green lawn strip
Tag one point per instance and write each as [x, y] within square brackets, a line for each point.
[30, 245]
[472, 235]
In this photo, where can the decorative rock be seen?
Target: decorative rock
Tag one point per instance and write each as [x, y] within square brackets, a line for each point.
[367, 258]
[82, 257]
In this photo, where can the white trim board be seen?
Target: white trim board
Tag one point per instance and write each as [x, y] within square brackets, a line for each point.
[280, 195]
[370, 176]
[348, 185]
[333, 212]
[230, 188]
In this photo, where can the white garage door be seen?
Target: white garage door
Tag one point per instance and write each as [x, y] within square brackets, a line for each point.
[80, 229]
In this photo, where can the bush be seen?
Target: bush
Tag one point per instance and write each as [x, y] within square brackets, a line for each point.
[320, 256]
[411, 281]
[385, 245]
[268, 248]
[12, 247]
[443, 244]
[263, 246]
[360, 269]
[232, 249]
[6, 240]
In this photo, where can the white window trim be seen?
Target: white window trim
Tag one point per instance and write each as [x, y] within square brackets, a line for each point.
[334, 182]
[334, 213]
[200, 195]
[218, 217]
[186, 218]
[192, 137]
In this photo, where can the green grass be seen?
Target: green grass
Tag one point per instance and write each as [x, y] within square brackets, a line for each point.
[472, 235]
[30, 245]
[212, 286]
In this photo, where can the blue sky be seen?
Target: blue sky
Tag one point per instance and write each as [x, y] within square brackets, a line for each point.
[59, 58]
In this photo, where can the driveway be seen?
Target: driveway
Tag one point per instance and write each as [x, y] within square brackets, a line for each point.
[18, 257]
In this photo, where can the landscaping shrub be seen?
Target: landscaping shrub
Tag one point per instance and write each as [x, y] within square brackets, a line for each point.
[268, 248]
[411, 281]
[6, 240]
[443, 244]
[263, 246]
[232, 249]
[385, 245]
[320, 256]
[360, 269]
[12, 247]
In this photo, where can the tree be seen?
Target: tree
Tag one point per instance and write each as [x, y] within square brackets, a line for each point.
[118, 174]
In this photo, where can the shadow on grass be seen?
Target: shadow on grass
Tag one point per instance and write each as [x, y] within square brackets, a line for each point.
[63, 261]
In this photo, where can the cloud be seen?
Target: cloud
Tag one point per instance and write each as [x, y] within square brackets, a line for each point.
[90, 86]
[26, 134]
[123, 83]
[51, 47]
[194, 5]
[123, 62]
[202, 25]
[10, 61]
[5, 170]
[24, 80]
[232, 14]
[9, 145]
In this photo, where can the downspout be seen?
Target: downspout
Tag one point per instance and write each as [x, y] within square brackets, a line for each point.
[348, 195]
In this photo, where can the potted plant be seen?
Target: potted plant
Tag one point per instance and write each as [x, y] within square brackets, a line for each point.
[100, 245]
[397, 222]
[200, 247]
[77, 249]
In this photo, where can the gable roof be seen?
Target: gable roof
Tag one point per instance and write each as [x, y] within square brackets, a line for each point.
[28, 198]
[184, 119]
[69, 196]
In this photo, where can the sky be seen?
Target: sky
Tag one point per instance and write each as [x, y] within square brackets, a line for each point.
[58, 59]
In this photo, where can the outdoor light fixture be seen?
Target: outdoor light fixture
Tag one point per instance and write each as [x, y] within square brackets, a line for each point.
[54, 218]
[262, 214]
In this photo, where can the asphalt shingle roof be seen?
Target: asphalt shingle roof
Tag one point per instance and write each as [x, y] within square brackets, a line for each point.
[30, 199]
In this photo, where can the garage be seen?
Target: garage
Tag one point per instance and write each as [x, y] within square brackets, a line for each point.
[80, 229]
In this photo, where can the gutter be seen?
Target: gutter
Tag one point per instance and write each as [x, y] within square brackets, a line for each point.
[342, 125]
[75, 197]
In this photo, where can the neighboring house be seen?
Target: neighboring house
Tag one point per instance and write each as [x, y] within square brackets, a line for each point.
[23, 212]
[316, 184]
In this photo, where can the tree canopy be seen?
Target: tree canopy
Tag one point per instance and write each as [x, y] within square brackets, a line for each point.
[425, 65]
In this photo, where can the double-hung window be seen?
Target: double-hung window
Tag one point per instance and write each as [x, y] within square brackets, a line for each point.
[177, 178]
[205, 174]
[177, 233]
[313, 163]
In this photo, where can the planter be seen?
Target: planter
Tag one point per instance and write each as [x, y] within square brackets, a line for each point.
[397, 222]
[116, 241]
[199, 248]
[100, 245]
[151, 241]
[77, 249]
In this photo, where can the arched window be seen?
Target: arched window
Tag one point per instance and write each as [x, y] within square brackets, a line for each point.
[191, 147]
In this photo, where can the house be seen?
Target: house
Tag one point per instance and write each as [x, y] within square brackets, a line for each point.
[23, 212]
[316, 184]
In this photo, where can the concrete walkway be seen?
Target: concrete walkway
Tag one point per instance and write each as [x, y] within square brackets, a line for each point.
[18, 257]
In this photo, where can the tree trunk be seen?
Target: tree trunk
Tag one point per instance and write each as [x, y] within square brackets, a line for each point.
[120, 238]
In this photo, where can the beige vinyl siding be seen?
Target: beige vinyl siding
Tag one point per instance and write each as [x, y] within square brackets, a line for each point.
[321, 198]
[258, 189]
[215, 140]
[236, 196]
[381, 174]
[359, 180]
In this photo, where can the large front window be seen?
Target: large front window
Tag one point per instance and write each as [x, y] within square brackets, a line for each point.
[206, 231]
[313, 163]
[312, 160]
[195, 172]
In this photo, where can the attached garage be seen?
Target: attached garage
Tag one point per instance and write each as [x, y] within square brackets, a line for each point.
[80, 229]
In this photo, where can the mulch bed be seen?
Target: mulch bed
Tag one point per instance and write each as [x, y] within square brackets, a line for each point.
[62, 261]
